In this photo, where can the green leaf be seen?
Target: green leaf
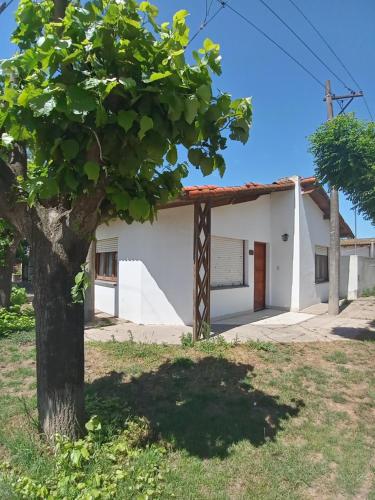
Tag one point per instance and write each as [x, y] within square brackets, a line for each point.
[92, 170]
[6, 139]
[69, 148]
[42, 105]
[71, 180]
[172, 155]
[191, 109]
[207, 165]
[139, 208]
[128, 83]
[80, 100]
[126, 119]
[121, 200]
[146, 123]
[194, 156]
[208, 45]
[157, 76]
[204, 92]
[180, 16]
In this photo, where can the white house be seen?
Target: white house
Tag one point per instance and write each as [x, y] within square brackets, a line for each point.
[218, 251]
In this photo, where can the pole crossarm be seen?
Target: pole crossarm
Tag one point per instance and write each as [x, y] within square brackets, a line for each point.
[202, 265]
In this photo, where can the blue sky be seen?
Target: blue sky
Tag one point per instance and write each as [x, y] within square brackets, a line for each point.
[288, 104]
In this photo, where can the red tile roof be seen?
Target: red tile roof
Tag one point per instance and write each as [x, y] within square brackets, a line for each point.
[250, 191]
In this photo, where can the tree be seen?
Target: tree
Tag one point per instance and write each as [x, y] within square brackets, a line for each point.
[94, 108]
[9, 246]
[344, 155]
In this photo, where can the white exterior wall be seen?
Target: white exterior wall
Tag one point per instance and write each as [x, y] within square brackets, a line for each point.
[106, 298]
[155, 274]
[248, 221]
[314, 230]
[363, 251]
[356, 275]
[281, 262]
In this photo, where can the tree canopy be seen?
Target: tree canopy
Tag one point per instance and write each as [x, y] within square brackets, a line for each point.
[344, 155]
[103, 97]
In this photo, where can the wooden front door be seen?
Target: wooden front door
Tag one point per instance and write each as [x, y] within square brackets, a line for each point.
[259, 276]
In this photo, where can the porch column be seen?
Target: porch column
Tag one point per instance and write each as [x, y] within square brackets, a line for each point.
[296, 269]
[202, 265]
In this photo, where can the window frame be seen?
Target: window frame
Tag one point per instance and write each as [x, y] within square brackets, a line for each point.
[324, 276]
[107, 256]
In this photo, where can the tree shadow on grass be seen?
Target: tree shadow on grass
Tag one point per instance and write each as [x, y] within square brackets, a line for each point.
[203, 407]
[355, 333]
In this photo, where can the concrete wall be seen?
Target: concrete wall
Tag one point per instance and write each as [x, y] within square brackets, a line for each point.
[106, 297]
[357, 274]
[363, 251]
[155, 275]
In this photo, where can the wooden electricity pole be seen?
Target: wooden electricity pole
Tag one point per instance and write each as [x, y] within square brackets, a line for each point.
[334, 220]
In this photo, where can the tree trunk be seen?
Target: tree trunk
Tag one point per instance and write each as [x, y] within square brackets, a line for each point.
[6, 272]
[57, 255]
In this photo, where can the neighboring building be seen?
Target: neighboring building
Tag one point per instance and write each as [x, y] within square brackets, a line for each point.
[364, 247]
[219, 251]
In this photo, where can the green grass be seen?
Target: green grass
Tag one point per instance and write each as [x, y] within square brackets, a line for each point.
[239, 421]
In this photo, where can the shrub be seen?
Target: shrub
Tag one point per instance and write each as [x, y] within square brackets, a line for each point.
[187, 339]
[122, 466]
[18, 296]
[16, 319]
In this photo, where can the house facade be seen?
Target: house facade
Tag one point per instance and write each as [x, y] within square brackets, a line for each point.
[216, 252]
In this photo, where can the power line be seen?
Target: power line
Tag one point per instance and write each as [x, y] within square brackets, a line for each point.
[5, 5]
[305, 44]
[330, 48]
[247, 20]
[207, 19]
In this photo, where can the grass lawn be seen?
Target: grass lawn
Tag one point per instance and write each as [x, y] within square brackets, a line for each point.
[250, 421]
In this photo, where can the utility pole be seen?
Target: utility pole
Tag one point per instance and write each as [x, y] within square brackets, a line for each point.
[334, 219]
[334, 230]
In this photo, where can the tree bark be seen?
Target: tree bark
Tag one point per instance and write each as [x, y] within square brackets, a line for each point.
[57, 254]
[6, 272]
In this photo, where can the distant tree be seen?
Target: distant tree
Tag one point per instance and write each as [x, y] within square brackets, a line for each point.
[344, 155]
[9, 247]
[93, 108]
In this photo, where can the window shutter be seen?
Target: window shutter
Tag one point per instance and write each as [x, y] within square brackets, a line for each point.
[227, 261]
[108, 245]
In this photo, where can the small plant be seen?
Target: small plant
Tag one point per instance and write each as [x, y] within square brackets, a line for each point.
[369, 292]
[215, 346]
[187, 339]
[16, 319]
[339, 357]
[96, 467]
[261, 345]
[18, 296]
[81, 284]
[206, 330]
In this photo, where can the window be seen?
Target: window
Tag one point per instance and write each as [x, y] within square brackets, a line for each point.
[227, 262]
[321, 264]
[106, 259]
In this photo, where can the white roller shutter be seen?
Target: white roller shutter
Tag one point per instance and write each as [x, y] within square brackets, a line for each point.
[108, 245]
[227, 261]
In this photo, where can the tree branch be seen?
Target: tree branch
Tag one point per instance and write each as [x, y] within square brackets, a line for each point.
[11, 210]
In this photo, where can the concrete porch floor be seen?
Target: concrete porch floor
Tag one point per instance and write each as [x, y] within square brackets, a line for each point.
[357, 321]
